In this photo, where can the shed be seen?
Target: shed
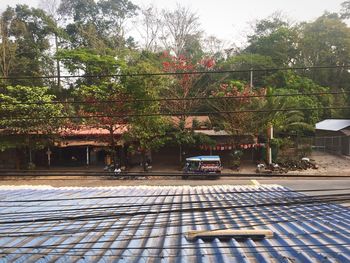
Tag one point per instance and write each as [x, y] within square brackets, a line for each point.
[333, 135]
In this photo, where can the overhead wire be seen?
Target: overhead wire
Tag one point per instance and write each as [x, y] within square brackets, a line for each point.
[41, 200]
[201, 253]
[173, 73]
[185, 217]
[249, 226]
[260, 190]
[182, 203]
[171, 247]
[194, 113]
[269, 249]
[176, 73]
[176, 99]
[328, 199]
[139, 176]
[269, 217]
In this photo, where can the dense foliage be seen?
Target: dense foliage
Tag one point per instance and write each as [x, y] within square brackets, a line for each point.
[88, 40]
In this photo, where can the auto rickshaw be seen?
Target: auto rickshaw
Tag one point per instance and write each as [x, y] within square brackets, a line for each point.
[203, 165]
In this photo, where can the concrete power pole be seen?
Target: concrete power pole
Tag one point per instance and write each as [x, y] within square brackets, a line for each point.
[251, 78]
[269, 138]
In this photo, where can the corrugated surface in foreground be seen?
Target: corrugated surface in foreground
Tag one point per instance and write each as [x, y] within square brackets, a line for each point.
[149, 224]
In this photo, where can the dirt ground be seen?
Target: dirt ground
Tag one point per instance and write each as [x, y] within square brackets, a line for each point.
[329, 164]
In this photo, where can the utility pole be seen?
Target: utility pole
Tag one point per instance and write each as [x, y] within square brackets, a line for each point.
[251, 78]
[269, 138]
[251, 71]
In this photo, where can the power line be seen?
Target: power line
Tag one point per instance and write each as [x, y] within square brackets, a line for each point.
[177, 99]
[294, 216]
[171, 114]
[134, 175]
[61, 246]
[200, 253]
[155, 204]
[267, 216]
[338, 198]
[297, 212]
[149, 205]
[176, 73]
[132, 238]
[262, 191]
[183, 223]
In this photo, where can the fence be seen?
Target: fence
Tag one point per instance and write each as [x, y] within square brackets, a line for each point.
[332, 144]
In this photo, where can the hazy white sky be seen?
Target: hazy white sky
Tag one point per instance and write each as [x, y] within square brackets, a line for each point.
[229, 19]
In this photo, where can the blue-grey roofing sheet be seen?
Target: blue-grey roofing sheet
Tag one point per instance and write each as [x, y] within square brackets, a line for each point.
[332, 125]
[149, 224]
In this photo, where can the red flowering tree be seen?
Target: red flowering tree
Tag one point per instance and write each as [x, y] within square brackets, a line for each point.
[237, 99]
[183, 86]
[105, 106]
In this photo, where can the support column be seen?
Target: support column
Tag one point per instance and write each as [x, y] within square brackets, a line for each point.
[269, 138]
[48, 157]
[87, 156]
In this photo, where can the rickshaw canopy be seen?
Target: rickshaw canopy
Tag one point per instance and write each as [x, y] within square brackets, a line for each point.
[204, 158]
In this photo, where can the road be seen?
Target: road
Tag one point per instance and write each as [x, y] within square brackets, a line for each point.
[297, 184]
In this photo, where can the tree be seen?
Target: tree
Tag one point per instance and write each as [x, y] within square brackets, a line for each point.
[275, 38]
[246, 62]
[326, 41]
[8, 48]
[97, 25]
[149, 133]
[345, 12]
[51, 8]
[25, 44]
[88, 62]
[214, 47]
[290, 83]
[178, 27]
[182, 87]
[240, 123]
[29, 114]
[146, 129]
[148, 27]
[112, 115]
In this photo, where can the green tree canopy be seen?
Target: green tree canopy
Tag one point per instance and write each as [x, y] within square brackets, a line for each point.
[326, 42]
[275, 38]
[146, 129]
[96, 24]
[25, 45]
[29, 114]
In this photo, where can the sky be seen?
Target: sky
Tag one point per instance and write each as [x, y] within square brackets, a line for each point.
[230, 19]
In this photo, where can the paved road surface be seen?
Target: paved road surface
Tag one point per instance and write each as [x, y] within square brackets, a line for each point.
[293, 183]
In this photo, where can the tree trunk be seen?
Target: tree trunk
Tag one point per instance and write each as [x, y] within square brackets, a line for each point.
[113, 147]
[30, 155]
[18, 159]
[180, 149]
[143, 155]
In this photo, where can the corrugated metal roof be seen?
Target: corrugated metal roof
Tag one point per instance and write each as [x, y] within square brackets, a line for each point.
[202, 120]
[86, 131]
[149, 224]
[332, 125]
[212, 132]
[70, 143]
